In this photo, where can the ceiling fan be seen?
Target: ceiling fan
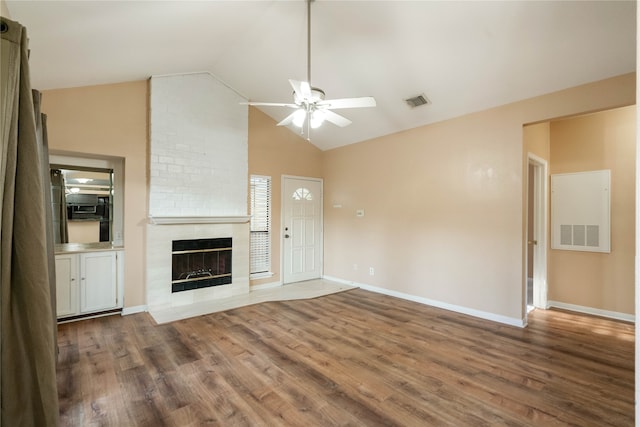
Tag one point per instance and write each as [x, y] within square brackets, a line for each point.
[309, 102]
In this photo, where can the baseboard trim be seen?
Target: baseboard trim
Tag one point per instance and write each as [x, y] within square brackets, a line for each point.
[266, 285]
[133, 310]
[339, 280]
[593, 311]
[520, 323]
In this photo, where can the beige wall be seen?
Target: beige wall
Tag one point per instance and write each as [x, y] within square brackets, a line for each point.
[110, 120]
[444, 216]
[444, 203]
[3, 9]
[537, 140]
[275, 151]
[84, 231]
[605, 140]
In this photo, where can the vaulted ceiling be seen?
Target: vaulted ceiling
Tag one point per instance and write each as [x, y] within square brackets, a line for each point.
[464, 56]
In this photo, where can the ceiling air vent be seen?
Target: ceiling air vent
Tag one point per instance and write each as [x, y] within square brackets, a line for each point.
[417, 101]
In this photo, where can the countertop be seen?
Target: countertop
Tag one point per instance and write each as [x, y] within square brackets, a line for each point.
[71, 248]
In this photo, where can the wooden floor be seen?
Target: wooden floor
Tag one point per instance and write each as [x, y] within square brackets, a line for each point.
[353, 358]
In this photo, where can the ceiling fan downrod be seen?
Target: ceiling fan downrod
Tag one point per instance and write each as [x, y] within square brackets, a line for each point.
[311, 107]
[309, 41]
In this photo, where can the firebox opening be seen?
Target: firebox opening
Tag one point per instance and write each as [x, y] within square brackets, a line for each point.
[200, 263]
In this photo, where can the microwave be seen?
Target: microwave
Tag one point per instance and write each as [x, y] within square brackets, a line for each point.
[87, 207]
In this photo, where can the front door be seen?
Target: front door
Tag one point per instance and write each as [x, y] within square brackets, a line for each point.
[301, 229]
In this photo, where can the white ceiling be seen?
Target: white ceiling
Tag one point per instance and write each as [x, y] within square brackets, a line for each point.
[464, 56]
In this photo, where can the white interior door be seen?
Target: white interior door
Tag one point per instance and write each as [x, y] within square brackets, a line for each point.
[538, 240]
[301, 229]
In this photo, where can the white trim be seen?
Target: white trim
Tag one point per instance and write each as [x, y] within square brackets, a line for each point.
[133, 310]
[637, 240]
[86, 317]
[540, 286]
[338, 280]
[520, 323]
[266, 286]
[593, 311]
[173, 220]
[262, 275]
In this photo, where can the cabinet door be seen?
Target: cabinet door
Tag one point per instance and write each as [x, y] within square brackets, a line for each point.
[66, 285]
[98, 278]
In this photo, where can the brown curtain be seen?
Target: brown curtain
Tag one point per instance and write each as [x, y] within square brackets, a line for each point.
[28, 392]
[43, 144]
[59, 207]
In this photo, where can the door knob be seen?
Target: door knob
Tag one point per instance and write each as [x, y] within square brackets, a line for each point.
[533, 242]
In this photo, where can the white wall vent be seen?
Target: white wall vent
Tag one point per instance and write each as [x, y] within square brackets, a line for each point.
[580, 211]
[579, 235]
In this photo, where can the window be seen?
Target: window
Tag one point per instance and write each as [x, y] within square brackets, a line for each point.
[260, 255]
[302, 194]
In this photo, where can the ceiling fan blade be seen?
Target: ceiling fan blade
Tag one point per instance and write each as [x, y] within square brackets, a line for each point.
[336, 119]
[269, 104]
[287, 120]
[365, 101]
[302, 89]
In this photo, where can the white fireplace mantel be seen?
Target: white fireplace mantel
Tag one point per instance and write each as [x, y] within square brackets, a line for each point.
[173, 220]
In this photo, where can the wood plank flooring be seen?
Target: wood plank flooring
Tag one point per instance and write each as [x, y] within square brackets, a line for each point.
[352, 358]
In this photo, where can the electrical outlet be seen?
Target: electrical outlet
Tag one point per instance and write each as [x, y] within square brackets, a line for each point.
[371, 271]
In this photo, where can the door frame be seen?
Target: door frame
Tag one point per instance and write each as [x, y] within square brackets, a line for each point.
[282, 213]
[540, 231]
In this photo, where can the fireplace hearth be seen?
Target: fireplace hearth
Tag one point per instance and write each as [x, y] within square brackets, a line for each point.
[200, 263]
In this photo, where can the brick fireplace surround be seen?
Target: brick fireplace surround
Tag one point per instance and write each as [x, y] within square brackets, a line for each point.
[198, 181]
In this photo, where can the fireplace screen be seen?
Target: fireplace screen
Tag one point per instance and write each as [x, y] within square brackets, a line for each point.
[200, 263]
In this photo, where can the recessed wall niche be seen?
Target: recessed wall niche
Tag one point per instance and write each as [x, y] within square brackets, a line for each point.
[92, 162]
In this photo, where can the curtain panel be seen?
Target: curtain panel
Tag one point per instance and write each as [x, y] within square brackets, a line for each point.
[59, 207]
[28, 391]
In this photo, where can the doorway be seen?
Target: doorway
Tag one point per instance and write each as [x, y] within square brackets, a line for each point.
[536, 277]
[302, 229]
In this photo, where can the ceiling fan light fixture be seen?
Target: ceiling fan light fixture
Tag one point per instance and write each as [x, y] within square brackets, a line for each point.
[298, 117]
[317, 118]
[310, 101]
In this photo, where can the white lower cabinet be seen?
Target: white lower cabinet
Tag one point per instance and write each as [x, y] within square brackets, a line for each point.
[88, 282]
[67, 285]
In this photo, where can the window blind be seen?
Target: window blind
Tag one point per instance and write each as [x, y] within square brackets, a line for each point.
[260, 246]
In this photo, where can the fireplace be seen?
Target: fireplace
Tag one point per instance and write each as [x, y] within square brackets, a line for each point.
[200, 263]
[163, 231]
